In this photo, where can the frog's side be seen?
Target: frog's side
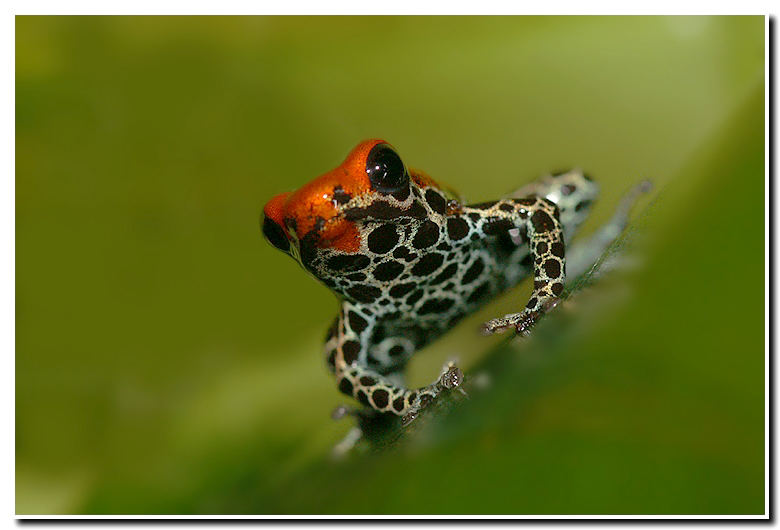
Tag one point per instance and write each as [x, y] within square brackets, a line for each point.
[408, 261]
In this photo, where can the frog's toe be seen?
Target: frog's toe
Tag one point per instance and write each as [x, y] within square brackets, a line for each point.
[500, 325]
[409, 417]
[520, 322]
[452, 377]
[341, 411]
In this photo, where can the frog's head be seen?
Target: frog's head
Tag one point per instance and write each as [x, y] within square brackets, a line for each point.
[338, 213]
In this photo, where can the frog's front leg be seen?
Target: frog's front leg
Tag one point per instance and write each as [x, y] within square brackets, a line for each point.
[539, 219]
[347, 348]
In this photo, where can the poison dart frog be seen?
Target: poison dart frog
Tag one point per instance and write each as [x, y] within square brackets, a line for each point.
[407, 260]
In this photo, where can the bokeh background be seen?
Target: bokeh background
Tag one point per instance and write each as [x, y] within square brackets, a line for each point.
[168, 359]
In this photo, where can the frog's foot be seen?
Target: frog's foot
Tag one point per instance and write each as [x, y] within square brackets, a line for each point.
[521, 322]
[451, 377]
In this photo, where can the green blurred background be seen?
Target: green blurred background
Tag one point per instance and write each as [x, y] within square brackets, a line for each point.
[168, 359]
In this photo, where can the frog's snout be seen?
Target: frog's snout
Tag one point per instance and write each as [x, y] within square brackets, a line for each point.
[273, 220]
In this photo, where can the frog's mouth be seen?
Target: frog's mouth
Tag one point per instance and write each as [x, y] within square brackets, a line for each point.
[275, 235]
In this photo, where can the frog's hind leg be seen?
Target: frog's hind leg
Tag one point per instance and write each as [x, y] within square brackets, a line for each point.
[582, 256]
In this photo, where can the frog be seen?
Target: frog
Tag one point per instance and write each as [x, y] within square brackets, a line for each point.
[408, 259]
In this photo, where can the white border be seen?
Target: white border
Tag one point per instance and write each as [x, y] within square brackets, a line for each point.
[7, 233]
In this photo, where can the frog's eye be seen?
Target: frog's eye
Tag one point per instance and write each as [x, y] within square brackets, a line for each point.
[275, 235]
[385, 169]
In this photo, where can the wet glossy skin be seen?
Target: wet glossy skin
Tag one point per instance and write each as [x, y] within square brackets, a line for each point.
[408, 261]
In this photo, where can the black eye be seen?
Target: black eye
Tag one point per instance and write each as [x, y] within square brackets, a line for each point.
[275, 235]
[385, 169]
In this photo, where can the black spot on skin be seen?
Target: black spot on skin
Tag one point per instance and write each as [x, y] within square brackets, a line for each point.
[529, 201]
[332, 361]
[475, 216]
[443, 246]
[393, 316]
[364, 293]
[542, 222]
[356, 322]
[401, 290]
[357, 277]
[381, 398]
[557, 288]
[436, 305]
[308, 249]
[382, 239]
[552, 268]
[388, 271]
[414, 297]
[332, 330]
[557, 249]
[417, 210]
[367, 380]
[384, 211]
[428, 264]
[384, 302]
[540, 284]
[506, 207]
[582, 204]
[401, 195]
[427, 235]
[396, 350]
[363, 398]
[457, 228]
[401, 252]
[446, 274]
[587, 177]
[479, 293]
[493, 227]
[425, 400]
[348, 262]
[531, 303]
[483, 205]
[473, 272]
[345, 386]
[436, 201]
[350, 349]
[341, 196]
[541, 248]
[399, 404]
[378, 335]
[568, 189]
[412, 397]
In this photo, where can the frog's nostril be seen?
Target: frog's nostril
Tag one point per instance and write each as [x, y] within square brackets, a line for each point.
[275, 235]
